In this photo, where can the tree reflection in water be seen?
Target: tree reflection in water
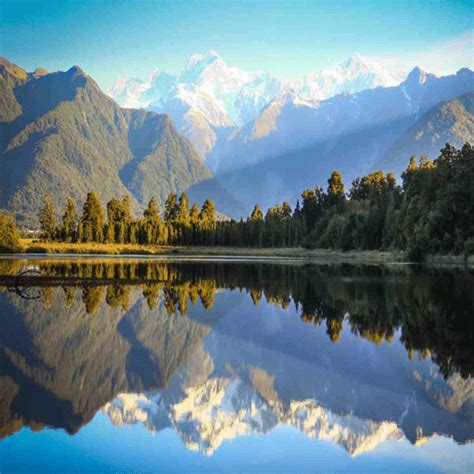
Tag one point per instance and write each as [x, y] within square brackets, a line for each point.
[102, 327]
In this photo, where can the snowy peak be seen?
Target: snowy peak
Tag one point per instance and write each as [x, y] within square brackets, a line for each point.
[242, 94]
[358, 64]
[356, 74]
[198, 65]
[208, 95]
[206, 58]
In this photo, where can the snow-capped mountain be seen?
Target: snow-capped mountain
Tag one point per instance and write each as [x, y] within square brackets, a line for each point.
[354, 75]
[209, 96]
[227, 96]
[133, 92]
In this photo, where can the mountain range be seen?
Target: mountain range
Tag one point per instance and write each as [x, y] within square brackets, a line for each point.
[266, 139]
[208, 97]
[294, 145]
[217, 131]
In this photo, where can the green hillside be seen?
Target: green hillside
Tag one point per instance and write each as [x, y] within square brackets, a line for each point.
[60, 134]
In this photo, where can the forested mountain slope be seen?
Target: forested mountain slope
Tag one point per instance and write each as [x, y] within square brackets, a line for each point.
[449, 122]
[61, 135]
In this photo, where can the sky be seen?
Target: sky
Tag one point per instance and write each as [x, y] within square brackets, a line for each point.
[288, 38]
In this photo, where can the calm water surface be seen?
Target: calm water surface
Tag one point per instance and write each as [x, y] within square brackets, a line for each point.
[142, 365]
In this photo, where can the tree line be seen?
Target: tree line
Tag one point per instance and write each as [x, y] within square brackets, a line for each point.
[430, 212]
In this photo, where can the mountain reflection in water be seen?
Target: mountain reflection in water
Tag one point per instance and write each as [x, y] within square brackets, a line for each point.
[356, 355]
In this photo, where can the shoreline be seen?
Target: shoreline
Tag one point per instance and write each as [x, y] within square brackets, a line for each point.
[35, 250]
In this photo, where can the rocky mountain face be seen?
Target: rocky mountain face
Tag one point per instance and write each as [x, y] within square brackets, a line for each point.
[265, 140]
[295, 123]
[59, 134]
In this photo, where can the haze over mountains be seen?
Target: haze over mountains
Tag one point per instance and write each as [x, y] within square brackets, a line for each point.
[266, 140]
[252, 137]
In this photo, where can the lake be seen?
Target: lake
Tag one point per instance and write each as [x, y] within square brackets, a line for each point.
[114, 364]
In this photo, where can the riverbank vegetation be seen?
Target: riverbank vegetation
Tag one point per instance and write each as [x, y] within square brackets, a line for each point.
[430, 213]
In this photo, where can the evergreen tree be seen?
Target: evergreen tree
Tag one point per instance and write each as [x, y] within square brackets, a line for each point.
[431, 213]
[256, 224]
[207, 223]
[114, 221]
[69, 221]
[257, 214]
[171, 208]
[313, 206]
[183, 209]
[47, 219]
[208, 213]
[335, 191]
[153, 225]
[194, 214]
[92, 219]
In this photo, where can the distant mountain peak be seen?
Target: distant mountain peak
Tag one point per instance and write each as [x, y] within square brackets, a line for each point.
[39, 72]
[75, 71]
[355, 60]
[418, 76]
[201, 61]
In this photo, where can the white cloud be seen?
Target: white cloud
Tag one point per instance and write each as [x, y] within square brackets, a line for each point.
[441, 59]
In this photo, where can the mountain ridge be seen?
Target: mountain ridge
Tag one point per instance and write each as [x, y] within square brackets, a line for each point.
[61, 135]
[208, 84]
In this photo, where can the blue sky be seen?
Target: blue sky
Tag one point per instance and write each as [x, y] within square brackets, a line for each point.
[288, 38]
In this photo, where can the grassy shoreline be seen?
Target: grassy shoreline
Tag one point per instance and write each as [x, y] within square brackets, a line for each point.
[31, 246]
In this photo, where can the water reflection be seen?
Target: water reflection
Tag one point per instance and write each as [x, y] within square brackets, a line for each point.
[352, 354]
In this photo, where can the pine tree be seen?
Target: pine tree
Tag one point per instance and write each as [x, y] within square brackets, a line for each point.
[171, 208]
[208, 213]
[194, 214]
[183, 209]
[257, 214]
[152, 212]
[47, 219]
[9, 238]
[153, 225]
[314, 201]
[257, 225]
[69, 221]
[92, 219]
[114, 220]
[207, 222]
[335, 191]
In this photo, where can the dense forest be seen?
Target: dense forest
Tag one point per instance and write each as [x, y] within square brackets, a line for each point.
[431, 212]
